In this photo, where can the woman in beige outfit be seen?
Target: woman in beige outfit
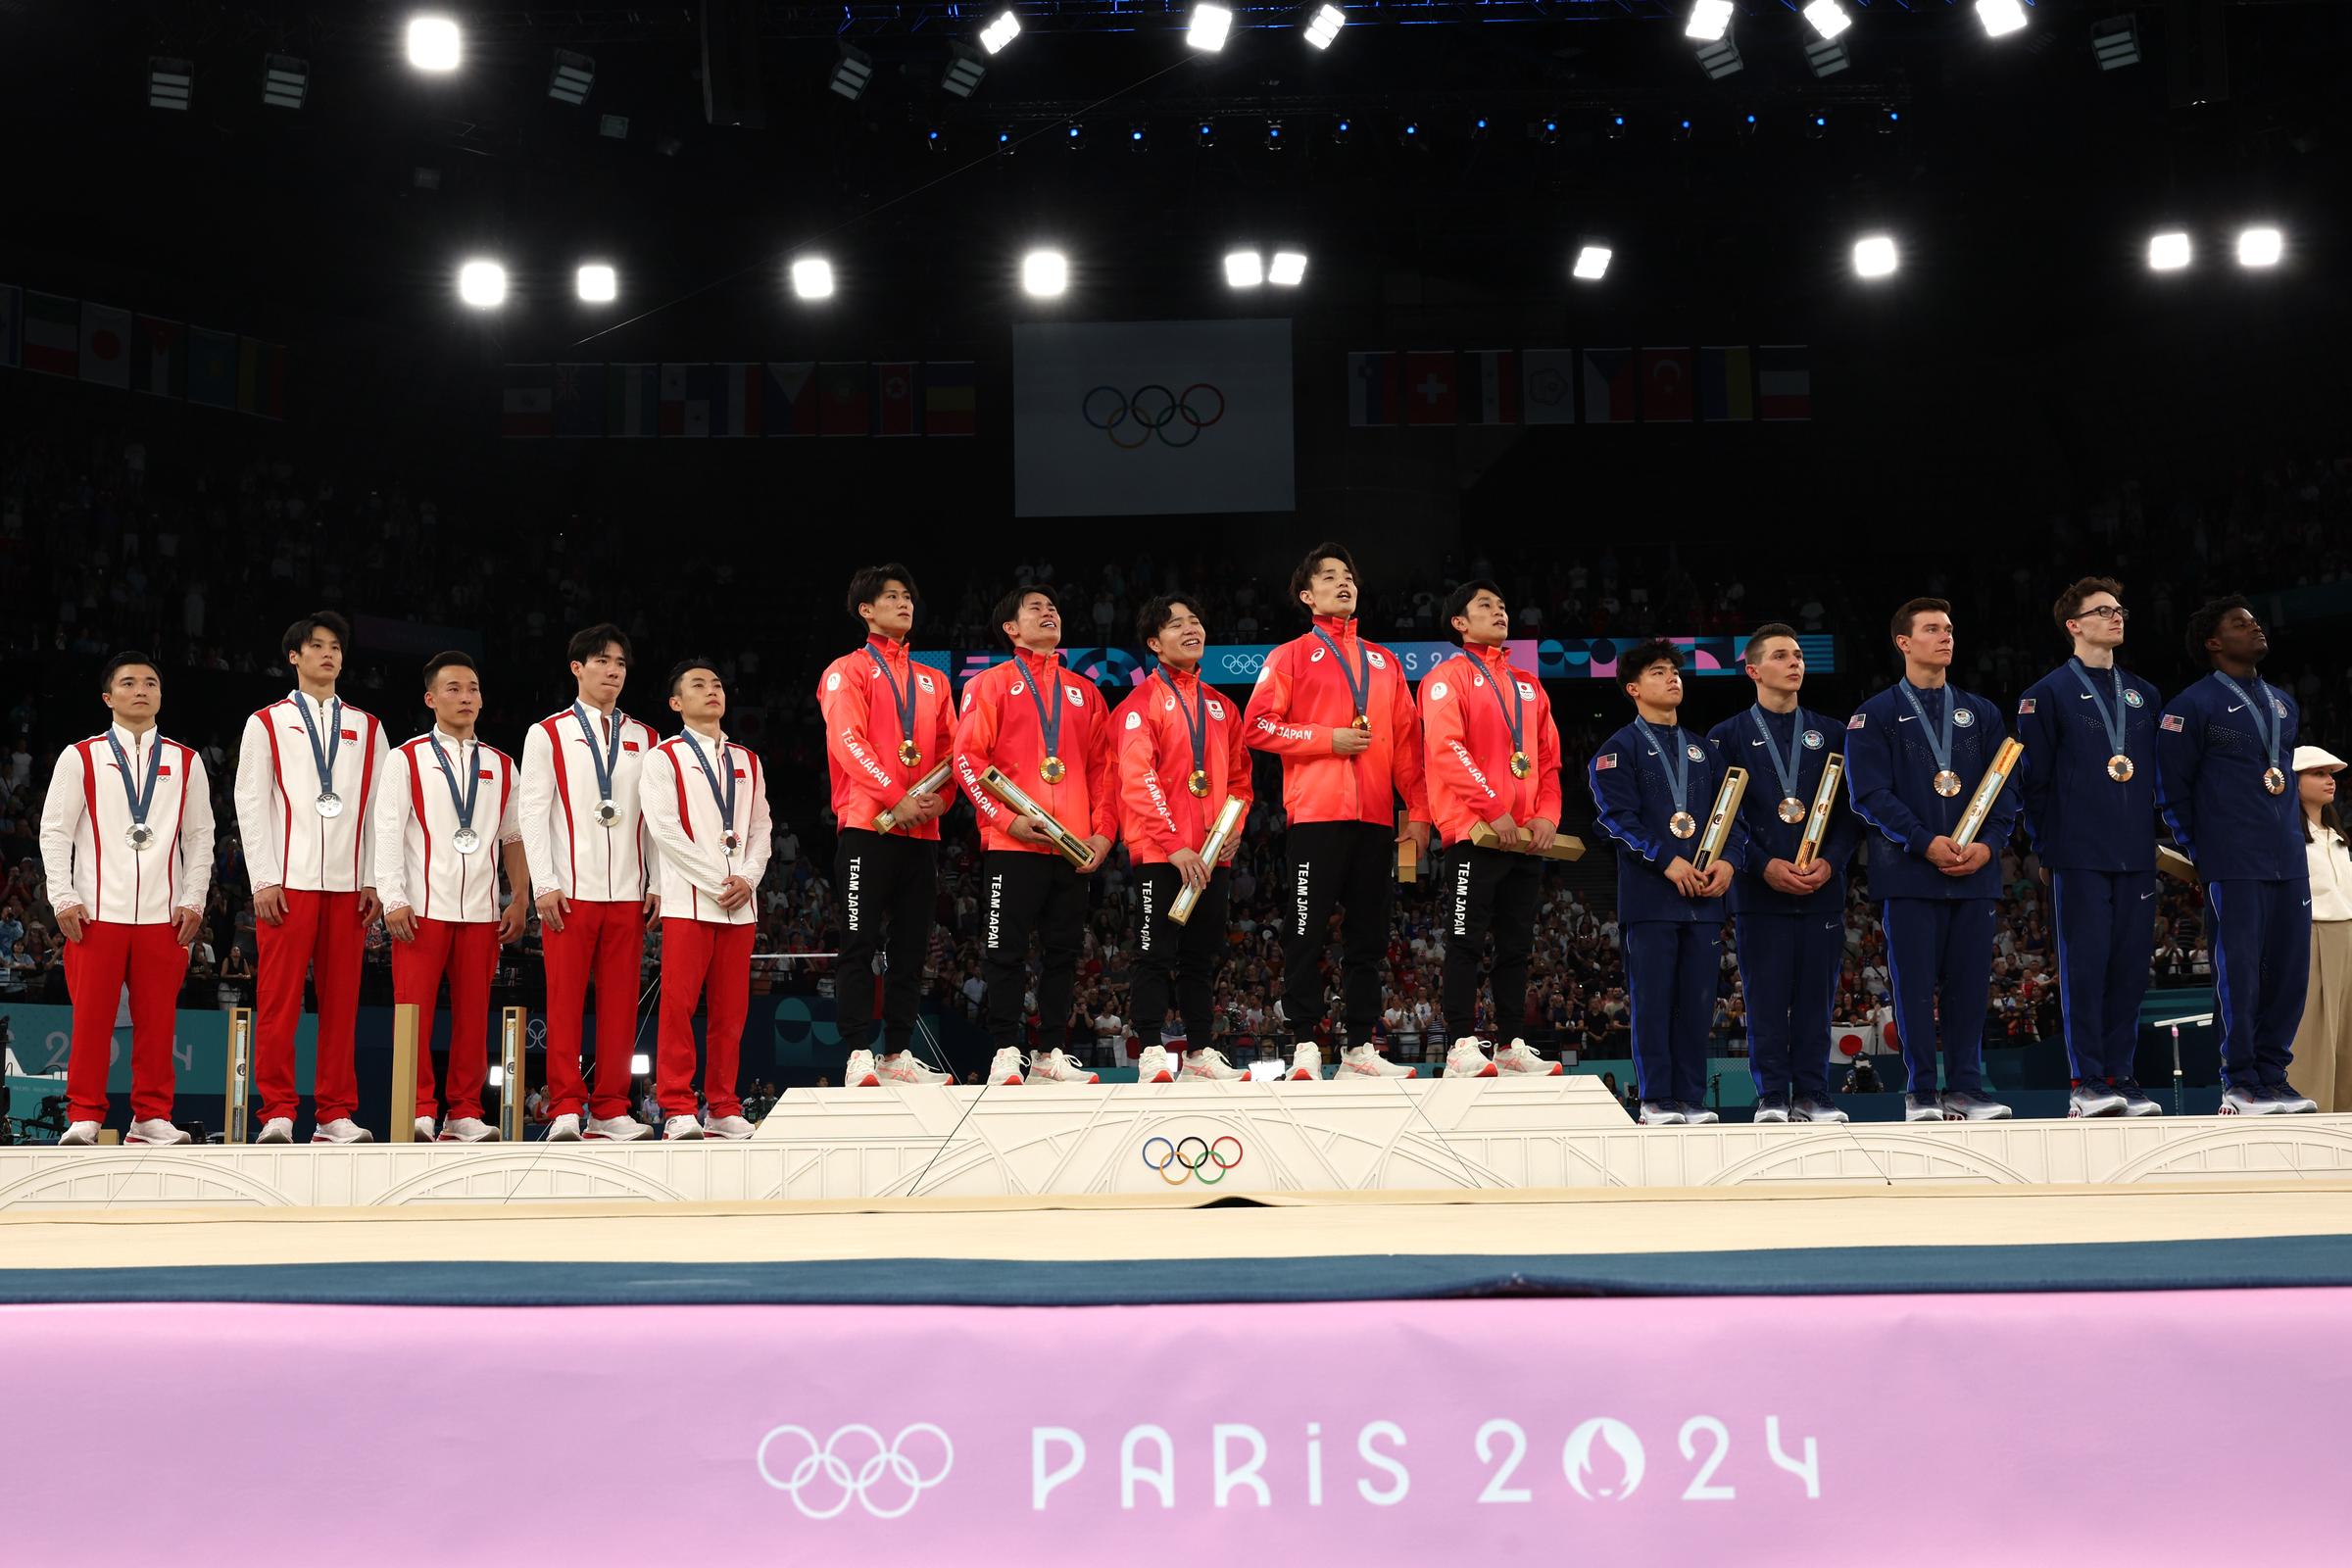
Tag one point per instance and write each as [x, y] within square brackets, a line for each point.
[2322, 1067]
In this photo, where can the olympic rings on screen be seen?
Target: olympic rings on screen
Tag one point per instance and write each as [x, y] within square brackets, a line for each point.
[821, 1469]
[1244, 663]
[1188, 1162]
[1152, 409]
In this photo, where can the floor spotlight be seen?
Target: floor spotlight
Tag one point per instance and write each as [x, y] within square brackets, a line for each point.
[1244, 270]
[1208, 26]
[597, 283]
[1591, 264]
[853, 69]
[1874, 255]
[285, 81]
[1000, 32]
[433, 43]
[2259, 247]
[813, 277]
[482, 284]
[1324, 25]
[2168, 252]
[1289, 268]
[573, 76]
[966, 66]
[1709, 19]
[171, 83]
[2000, 16]
[1045, 274]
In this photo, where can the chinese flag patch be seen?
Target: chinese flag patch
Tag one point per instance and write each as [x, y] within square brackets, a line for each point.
[628, 746]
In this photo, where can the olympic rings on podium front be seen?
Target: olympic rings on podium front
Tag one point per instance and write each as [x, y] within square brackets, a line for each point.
[1182, 1158]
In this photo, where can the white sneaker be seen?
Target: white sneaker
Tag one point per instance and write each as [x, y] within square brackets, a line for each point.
[731, 1128]
[1700, 1116]
[565, 1129]
[1209, 1062]
[1006, 1067]
[620, 1129]
[681, 1129]
[1372, 1064]
[1520, 1057]
[860, 1073]
[424, 1129]
[82, 1135]
[469, 1130]
[1151, 1067]
[342, 1130]
[902, 1069]
[276, 1129]
[156, 1131]
[1661, 1113]
[1306, 1063]
[1464, 1058]
[1056, 1066]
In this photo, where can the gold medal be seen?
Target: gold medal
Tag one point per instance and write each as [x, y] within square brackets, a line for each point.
[1682, 825]
[2118, 767]
[1362, 721]
[1948, 782]
[2275, 781]
[910, 753]
[1520, 765]
[1791, 810]
[1052, 770]
[1197, 783]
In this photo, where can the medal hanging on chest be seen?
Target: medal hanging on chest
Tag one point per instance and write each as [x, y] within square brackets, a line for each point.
[605, 758]
[465, 840]
[1677, 766]
[723, 799]
[909, 754]
[328, 803]
[1790, 810]
[1946, 783]
[1358, 679]
[2269, 727]
[2119, 760]
[139, 835]
[1196, 730]
[1048, 727]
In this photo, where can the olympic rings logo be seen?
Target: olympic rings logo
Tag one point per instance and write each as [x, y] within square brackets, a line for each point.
[822, 1469]
[1189, 1165]
[1244, 663]
[1150, 412]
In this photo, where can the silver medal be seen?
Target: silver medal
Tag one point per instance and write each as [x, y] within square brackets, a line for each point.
[140, 835]
[330, 804]
[467, 840]
[729, 840]
[607, 813]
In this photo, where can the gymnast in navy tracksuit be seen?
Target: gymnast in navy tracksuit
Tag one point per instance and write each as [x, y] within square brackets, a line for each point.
[2224, 752]
[2088, 783]
[1654, 783]
[1791, 924]
[1914, 755]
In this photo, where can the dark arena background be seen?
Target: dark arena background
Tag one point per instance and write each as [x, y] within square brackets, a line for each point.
[1662, 318]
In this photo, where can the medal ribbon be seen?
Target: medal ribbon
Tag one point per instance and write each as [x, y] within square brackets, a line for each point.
[140, 799]
[1195, 722]
[2268, 725]
[2113, 722]
[1049, 728]
[1940, 742]
[324, 756]
[1678, 765]
[607, 758]
[725, 802]
[449, 776]
[905, 703]
[1514, 712]
[1785, 769]
[1359, 679]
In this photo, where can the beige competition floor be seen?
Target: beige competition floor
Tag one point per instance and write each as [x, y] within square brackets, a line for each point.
[1554, 1221]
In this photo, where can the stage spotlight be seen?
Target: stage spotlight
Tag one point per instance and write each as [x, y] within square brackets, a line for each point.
[1681, 131]
[1613, 128]
[2168, 252]
[1289, 268]
[1139, 137]
[1204, 134]
[1274, 142]
[1477, 128]
[171, 83]
[1323, 26]
[2000, 16]
[1890, 122]
[1244, 270]
[1073, 137]
[572, 78]
[934, 139]
[1006, 144]
[2114, 43]
[1874, 255]
[433, 43]
[1591, 264]
[1408, 134]
[482, 284]
[641, 1063]
[615, 127]
[1045, 274]
[813, 277]
[597, 283]
[1709, 19]
[852, 71]
[1339, 133]
[1000, 32]
[1208, 26]
[1719, 59]
[285, 81]
[1827, 55]
[1547, 130]
[1828, 18]
[1816, 127]
[965, 67]
[2259, 247]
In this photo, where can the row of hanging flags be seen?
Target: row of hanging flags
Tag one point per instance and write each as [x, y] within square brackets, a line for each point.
[751, 398]
[110, 345]
[1714, 384]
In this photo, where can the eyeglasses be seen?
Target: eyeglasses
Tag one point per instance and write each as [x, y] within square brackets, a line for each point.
[2114, 612]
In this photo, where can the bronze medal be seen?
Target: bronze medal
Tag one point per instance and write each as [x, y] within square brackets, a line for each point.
[2274, 781]
[1682, 825]
[1791, 810]
[1521, 766]
[1198, 784]
[1052, 770]
[2118, 767]
[1948, 782]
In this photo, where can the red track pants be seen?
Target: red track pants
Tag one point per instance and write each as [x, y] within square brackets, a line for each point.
[697, 955]
[321, 937]
[603, 941]
[151, 960]
[467, 949]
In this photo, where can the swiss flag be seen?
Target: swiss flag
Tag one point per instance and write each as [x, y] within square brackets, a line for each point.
[1432, 388]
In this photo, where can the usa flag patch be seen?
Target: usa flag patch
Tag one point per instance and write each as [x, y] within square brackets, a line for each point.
[1604, 761]
[2025, 706]
[1855, 722]
[2172, 721]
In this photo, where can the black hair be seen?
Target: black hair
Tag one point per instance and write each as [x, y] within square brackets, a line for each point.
[443, 659]
[2070, 603]
[1910, 612]
[320, 620]
[2206, 619]
[1157, 612]
[1760, 636]
[1302, 575]
[867, 584]
[1638, 658]
[1008, 609]
[687, 666]
[590, 641]
[128, 655]
[1458, 603]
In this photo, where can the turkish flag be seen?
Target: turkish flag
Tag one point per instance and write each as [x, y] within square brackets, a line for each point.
[1666, 385]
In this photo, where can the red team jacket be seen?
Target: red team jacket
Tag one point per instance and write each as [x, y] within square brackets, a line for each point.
[1159, 814]
[1000, 726]
[864, 731]
[1468, 739]
[1301, 697]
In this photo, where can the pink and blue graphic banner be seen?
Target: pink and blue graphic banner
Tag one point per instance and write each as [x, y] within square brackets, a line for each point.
[1941, 1429]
